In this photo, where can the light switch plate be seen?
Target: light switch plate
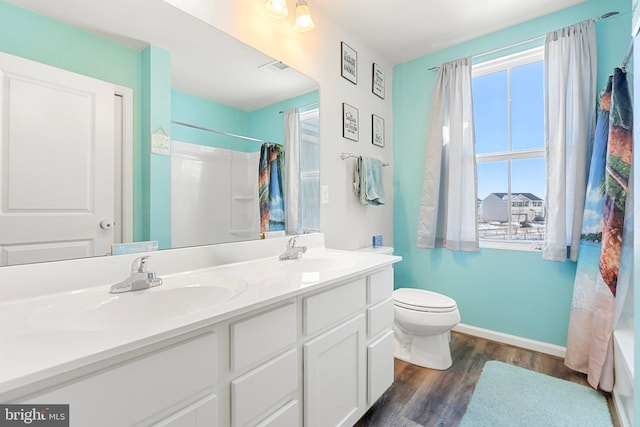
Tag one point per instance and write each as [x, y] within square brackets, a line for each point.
[324, 194]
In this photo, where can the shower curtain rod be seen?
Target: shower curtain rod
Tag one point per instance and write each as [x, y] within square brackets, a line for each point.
[627, 57]
[489, 52]
[220, 132]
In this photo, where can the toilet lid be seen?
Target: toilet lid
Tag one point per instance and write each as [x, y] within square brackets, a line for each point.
[421, 300]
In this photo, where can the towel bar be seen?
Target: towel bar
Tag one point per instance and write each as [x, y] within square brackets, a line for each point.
[344, 156]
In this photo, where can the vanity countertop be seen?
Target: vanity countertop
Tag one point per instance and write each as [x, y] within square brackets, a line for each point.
[50, 335]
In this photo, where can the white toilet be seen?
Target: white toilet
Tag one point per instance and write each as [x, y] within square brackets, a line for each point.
[422, 325]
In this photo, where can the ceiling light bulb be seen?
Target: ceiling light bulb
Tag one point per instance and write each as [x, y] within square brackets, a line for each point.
[277, 8]
[303, 17]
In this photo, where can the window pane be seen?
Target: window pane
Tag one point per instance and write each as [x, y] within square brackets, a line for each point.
[528, 184]
[527, 106]
[493, 177]
[309, 145]
[493, 204]
[309, 191]
[309, 219]
[490, 112]
[528, 176]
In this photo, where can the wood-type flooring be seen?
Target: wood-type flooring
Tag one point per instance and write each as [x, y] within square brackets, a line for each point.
[422, 397]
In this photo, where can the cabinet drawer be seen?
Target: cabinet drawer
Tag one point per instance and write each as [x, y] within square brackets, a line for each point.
[261, 389]
[380, 317]
[380, 286]
[261, 336]
[328, 307]
[203, 413]
[287, 416]
[135, 390]
[379, 366]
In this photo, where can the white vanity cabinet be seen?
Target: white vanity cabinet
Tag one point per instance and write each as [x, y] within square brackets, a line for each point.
[263, 362]
[316, 358]
[172, 385]
[348, 352]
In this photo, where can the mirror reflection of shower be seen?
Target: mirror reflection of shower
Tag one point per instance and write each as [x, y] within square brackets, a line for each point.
[214, 184]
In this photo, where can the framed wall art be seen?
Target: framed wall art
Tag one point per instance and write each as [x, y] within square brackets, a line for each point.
[377, 130]
[377, 81]
[349, 62]
[349, 122]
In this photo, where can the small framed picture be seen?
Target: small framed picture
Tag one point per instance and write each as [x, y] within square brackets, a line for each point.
[377, 130]
[349, 122]
[377, 81]
[349, 61]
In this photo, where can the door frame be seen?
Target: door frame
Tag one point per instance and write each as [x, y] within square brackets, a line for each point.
[126, 195]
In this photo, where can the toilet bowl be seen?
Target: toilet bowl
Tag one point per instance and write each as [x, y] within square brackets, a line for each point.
[422, 325]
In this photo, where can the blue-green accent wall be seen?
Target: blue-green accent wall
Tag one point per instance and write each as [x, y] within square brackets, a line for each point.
[156, 99]
[512, 292]
[202, 112]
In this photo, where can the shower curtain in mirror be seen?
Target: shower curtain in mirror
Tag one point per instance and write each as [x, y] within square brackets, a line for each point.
[605, 258]
[270, 185]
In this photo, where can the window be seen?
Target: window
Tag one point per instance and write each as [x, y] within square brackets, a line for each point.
[309, 202]
[508, 108]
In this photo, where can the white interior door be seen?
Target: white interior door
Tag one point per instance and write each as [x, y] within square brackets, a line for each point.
[56, 163]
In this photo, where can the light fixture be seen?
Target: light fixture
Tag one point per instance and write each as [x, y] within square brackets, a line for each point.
[277, 8]
[303, 17]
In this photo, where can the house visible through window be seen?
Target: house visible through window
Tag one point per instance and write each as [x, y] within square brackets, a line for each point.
[508, 108]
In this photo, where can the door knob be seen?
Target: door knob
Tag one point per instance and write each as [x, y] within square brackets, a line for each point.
[107, 224]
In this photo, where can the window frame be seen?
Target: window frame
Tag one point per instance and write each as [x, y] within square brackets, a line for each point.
[492, 66]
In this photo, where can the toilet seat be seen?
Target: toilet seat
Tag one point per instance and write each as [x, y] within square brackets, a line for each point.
[421, 300]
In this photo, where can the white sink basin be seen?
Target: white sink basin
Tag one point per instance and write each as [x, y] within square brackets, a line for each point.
[320, 263]
[99, 310]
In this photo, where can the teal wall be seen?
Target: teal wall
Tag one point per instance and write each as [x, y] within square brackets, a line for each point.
[156, 119]
[513, 292]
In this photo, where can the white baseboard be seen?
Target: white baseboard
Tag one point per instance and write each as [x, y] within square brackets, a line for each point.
[542, 347]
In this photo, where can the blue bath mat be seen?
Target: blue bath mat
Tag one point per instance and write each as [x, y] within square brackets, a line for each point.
[509, 396]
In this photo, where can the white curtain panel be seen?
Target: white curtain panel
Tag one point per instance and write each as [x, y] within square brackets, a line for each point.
[570, 108]
[448, 211]
[292, 168]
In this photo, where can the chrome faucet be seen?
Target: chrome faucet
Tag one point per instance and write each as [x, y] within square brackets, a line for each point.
[139, 279]
[292, 251]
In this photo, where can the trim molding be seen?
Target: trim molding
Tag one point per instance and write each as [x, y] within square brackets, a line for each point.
[542, 347]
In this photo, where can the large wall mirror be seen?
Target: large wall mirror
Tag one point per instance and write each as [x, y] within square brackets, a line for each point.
[227, 105]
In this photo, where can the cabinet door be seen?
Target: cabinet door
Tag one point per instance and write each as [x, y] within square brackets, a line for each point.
[334, 376]
[380, 366]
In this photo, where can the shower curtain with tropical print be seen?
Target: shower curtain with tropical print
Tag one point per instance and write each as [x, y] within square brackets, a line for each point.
[599, 268]
[270, 185]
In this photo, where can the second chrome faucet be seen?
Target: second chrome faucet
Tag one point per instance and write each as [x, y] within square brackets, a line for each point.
[292, 251]
[139, 279]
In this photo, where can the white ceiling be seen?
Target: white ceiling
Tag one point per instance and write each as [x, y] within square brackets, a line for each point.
[406, 29]
[209, 63]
